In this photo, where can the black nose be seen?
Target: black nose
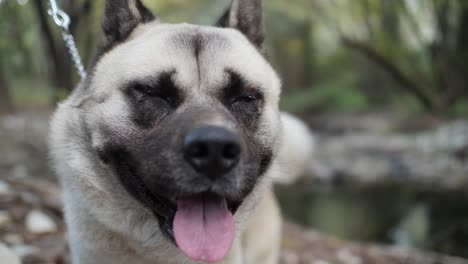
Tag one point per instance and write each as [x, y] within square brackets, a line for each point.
[212, 151]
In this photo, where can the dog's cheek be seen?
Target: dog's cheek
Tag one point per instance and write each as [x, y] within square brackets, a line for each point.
[248, 114]
[253, 172]
[258, 160]
[148, 112]
[266, 157]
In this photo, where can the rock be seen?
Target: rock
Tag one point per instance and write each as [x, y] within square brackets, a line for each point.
[7, 256]
[319, 261]
[23, 251]
[5, 219]
[290, 258]
[5, 191]
[311, 247]
[13, 239]
[39, 223]
[346, 256]
[20, 171]
[30, 198]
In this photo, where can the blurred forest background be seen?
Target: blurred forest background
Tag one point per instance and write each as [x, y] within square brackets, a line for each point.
[382, 83]
[339, 55]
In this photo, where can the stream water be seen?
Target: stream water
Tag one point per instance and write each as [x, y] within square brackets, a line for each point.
[393, 214]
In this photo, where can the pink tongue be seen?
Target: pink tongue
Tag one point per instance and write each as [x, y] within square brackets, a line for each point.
[204, 228]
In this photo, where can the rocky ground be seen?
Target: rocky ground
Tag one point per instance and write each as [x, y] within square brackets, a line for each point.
[32, 232]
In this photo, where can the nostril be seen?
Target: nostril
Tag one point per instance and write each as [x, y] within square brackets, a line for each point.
[212, 151]
[231, 151]
[198, 150]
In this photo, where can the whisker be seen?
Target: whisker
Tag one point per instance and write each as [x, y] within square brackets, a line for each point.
[281, 171]
[266, 185]
[273, 178]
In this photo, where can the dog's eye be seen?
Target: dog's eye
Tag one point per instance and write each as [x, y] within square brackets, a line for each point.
[145, 89]
[247, 108]
[251, 98]
[149, 91]
[245, 99]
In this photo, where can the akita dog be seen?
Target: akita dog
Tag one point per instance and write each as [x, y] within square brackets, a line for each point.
[167, 149]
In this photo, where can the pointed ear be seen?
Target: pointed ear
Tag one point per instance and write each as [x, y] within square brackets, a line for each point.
[247, 17]
[121, 17]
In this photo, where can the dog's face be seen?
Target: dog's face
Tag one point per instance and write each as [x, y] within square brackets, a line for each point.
[185, 117]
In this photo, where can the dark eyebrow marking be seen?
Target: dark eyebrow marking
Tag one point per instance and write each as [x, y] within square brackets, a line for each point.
[166, 85]
[238, 89]
[163, 85]
[238, 85]
[153, 98]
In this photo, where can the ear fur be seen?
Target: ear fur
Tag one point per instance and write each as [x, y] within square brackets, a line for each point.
[247, 17]
[121, 17]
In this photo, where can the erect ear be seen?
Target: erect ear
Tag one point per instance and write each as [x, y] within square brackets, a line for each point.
[121, 17]
[247, 17]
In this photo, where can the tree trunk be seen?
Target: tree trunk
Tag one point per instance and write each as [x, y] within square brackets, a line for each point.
[61, 73]
[5, 100]
[17, 26]
[462, 50]
[308, 65]
[309, 49]
[429, 102]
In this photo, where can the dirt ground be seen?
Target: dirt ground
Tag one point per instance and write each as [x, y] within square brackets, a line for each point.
[19, 198]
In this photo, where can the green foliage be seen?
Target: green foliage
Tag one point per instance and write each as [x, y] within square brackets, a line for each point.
[26, 92]
[406, 104]
[305, 44]
[349, 100]
[340, 95]
[460, 109]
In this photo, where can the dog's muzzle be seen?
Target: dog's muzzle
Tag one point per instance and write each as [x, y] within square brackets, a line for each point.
[186, 213]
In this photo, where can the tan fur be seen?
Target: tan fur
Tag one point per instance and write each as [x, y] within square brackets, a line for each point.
[233, 16]
[132, 6]
[259, 243]
[263, 233]
[105, 224]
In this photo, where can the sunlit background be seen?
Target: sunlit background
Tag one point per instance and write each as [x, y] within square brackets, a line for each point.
[382, 84]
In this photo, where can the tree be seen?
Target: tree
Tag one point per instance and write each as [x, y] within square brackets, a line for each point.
[5, 101]
[393, 50]
[61, 74]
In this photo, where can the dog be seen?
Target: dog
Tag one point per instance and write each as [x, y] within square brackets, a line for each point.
[166, 152]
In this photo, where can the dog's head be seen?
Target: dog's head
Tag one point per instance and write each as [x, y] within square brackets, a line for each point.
[184, 116]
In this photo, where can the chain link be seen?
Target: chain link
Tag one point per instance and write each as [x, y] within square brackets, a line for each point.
[62, 20]
[73, 51]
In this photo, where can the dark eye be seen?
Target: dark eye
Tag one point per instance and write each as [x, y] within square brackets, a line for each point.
[251, 98]
[145, 89]
[245, 99]
[247, 108]
[149, 91]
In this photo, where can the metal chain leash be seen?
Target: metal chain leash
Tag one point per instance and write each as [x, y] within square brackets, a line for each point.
[62, 20]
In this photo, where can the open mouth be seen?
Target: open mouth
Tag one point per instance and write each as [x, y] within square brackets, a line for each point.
[201, 225]
[204, 227]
